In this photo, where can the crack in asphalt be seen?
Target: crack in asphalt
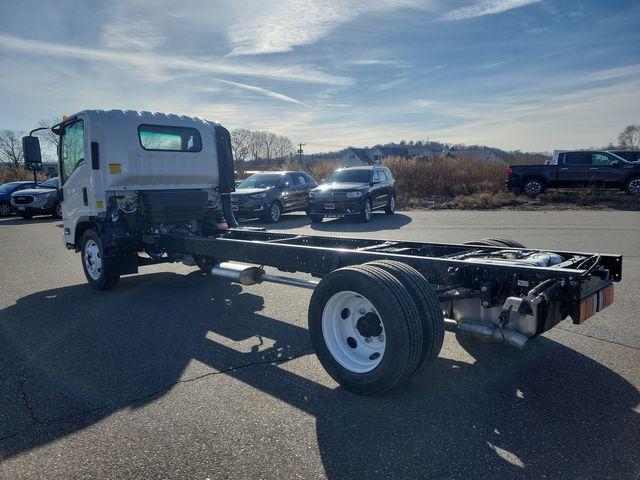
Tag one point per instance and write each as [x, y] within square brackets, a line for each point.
[76, 417]
[613, 342]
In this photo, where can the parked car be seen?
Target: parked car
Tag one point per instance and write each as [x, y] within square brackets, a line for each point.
[41, 200]
[574, 169]
[628, 155]
[353, 191]
[6, 189]
[268, 195]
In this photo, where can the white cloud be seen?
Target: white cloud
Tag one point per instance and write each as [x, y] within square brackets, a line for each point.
[485, 7]
[280, 25]
[141, 61]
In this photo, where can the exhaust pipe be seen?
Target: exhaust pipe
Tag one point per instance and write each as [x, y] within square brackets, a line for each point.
[245, 274]
[494, 334]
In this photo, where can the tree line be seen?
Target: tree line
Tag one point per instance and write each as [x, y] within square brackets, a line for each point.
[260, 147]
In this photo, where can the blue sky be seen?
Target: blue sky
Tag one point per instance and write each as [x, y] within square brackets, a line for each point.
[516, 74]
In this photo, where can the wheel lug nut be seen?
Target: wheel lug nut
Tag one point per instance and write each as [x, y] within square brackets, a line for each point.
[367, 340]
[362, 311]
[381, 338]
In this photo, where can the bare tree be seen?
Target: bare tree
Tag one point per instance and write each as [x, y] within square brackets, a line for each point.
[629, 138]
[256, 145]
[282, 147]
[240, 144]
[11, 154]
[269, 140]
[47, 136]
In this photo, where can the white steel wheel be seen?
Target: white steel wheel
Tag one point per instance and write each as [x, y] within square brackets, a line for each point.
[5, 209]
[93, 259]
[353, 332]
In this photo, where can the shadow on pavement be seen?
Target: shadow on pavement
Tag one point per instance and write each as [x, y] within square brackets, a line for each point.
[379, 222]
[547, 412]
[27, 221]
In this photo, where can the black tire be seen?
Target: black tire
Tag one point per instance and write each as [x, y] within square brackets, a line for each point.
[402, 326]
[98, 279]
[533, 187]
[5, 209]
[495, 242]
[366, 212]
[57, 210]
[429, 308]
[633, 186]
[390, 209]
[316, 218]
[274, 212]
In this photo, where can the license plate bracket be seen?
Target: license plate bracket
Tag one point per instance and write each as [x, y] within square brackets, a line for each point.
[329, 206]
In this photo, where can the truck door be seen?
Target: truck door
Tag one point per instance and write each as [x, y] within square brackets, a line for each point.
[607, 169]
[575, 168]
[74, 174]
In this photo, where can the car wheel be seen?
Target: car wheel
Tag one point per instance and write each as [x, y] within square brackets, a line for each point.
[533, 187]
[5, 209]
[367, 209]
[633, 187]
[94, 262]
[274, 213]
[390, 209]
[57, 210]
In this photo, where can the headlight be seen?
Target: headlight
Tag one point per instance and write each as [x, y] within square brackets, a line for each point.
[258, 195]
[354, 194]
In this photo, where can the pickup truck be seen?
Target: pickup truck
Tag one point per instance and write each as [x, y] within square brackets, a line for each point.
[575, 169]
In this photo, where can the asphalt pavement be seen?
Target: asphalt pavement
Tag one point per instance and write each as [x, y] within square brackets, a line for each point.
[177, 375]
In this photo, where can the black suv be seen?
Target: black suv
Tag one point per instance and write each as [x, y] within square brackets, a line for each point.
[270, 194]
[354, 191]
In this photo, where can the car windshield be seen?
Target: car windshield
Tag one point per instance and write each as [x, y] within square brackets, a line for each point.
[349, 176]
[261, 180]
[51, 183]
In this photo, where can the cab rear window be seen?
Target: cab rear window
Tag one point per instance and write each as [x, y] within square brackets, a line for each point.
[166, 138]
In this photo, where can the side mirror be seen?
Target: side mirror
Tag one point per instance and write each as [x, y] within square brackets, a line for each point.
[32, 154]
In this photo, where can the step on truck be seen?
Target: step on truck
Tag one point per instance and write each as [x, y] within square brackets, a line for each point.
[141, 188]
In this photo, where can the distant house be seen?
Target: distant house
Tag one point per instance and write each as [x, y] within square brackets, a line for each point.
[373, 156]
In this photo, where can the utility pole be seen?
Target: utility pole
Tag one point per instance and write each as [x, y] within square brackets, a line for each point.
[300, 145]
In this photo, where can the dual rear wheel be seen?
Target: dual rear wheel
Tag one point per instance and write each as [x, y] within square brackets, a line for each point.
[375, 325]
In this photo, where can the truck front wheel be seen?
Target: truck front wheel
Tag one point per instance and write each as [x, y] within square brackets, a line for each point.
[633, 187]
[94, 262]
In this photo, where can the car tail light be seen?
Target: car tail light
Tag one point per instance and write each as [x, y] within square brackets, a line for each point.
[509, 170]
[595, 303]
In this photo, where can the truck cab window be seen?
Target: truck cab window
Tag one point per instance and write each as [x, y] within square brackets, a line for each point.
[578, 158]
[601, 159]
[71, 149]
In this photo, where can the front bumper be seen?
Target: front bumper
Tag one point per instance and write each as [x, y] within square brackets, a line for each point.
[248, 208]
[36, 208]
[342, 208]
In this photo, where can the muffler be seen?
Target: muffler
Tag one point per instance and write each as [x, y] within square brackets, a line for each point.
[245, 274]
[493, 334]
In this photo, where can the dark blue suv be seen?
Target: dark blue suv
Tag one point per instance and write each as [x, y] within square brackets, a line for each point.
[6, 190]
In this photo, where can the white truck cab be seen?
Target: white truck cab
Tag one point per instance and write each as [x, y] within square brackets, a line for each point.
[115, 153]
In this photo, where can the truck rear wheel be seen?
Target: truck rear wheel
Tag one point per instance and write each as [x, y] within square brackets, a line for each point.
[94, 262]
[365, 329]
[428, 305]
[533, 187]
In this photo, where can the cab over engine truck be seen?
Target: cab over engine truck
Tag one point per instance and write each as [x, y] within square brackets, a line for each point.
[142, 188]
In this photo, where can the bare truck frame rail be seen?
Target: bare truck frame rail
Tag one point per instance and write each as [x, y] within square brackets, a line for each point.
[157, 188]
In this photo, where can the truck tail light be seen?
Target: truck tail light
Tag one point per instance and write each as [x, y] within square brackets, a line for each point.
[509, 170]
[595, 303]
